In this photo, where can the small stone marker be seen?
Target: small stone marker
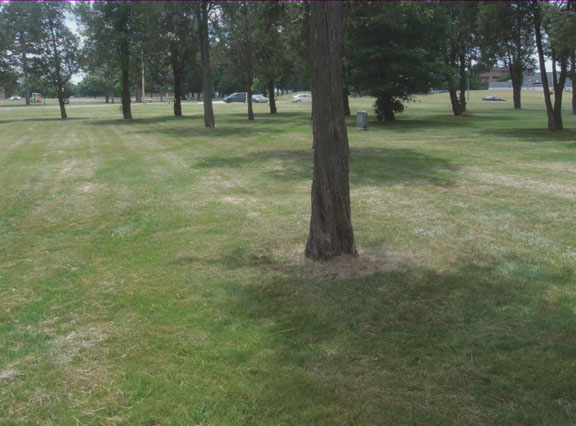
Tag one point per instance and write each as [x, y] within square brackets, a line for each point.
[362, 120]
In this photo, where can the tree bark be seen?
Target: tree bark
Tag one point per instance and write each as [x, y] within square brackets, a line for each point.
[26, 79]
[177, 92]
[559, 84]
[126, 107]
[248, 53]
[209, 121]
[462, 84]
[61, 100]
[271, 97]
[573, 78]
[346, 102]
[124, 51]
[517, 76]
[138, 95]
[552, 125]
[331, 231]
[456, 109]
[451, 62]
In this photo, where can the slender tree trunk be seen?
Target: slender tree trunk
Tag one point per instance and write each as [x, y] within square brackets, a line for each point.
[346, 102]
[451, 62]
[206, 78]
[463, 84]
[26, 79]
[143, 81]
[61, 100]
[107, 97]
[559, 84]
[573, 78]
[177, 92]
[552, 125]
[248, 53]
[126, 107]
[138, 94]
[271, 97]
[331, 231]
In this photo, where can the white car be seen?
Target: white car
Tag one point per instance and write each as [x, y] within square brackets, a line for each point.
[301, 98]
[15, 98]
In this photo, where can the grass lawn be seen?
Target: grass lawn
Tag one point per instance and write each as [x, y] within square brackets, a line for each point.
[152, 272]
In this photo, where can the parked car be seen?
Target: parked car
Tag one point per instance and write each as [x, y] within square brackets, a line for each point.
[259, 99]
[235, 97]
[301, 98]
[493, 98]
[15, 98]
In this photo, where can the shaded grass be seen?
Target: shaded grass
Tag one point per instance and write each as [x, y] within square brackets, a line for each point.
[151, 272]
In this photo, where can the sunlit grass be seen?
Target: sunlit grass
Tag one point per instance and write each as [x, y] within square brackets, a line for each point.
[152, 272]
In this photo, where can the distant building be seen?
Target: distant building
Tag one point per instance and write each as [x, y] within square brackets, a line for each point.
[493, 75]
[532, 81]
[2, 94]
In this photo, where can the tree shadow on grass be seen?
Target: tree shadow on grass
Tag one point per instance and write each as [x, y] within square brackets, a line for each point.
[43, 120]
[485, 339]
[141, 121]
[368, 166]
[535, 135]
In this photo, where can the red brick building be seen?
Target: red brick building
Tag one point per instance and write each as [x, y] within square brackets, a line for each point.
[494, 74]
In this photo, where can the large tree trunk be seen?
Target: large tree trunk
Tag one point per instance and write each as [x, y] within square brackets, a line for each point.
[346, 102]
[456, 109]
[206, 78]
[330, 224]
[271, 97]
[552, 125]
[451, 63]
[517, 76]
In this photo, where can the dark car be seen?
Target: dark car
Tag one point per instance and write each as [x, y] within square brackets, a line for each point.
[493, 98]
[235, 97]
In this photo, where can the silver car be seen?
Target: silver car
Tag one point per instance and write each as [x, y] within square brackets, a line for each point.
[301, 98]
[259, 99]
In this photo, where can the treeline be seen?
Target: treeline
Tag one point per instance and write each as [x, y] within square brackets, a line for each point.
[392, 50]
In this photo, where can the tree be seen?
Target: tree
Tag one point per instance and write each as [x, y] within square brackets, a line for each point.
[173, 42]
[111, 27]
[275, 59]
[330, 232]
[562, 34]
[558, 55]
[393, 52]
[508, 34]
[57, 49]
[239, 20]
[7, 73]
[19, 25]
[462, 48]
[202, 12]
